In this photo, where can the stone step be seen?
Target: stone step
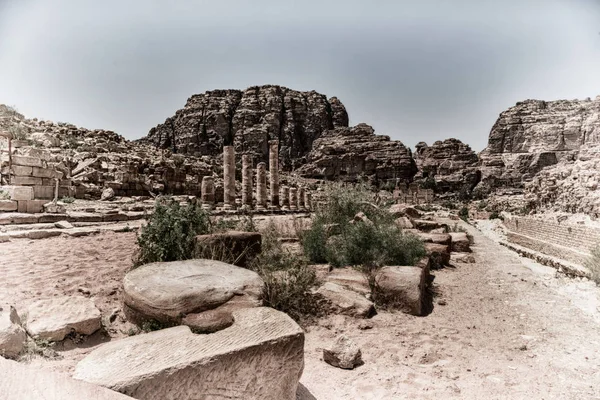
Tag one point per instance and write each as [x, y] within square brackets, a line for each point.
[73, 217]
[74, 232]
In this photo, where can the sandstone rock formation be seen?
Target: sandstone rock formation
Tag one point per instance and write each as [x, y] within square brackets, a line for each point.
[248, 120]
[347, 153]
[450, 164]
[168, 291]
[261, 356]
[535, 134]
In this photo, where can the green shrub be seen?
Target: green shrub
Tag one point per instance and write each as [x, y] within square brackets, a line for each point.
[314, 242]
[170, 232]
[429, 183]
[463, 213]
[593, 264]
[67, 200]
[496, 215]
[4, 195]
[449, 205]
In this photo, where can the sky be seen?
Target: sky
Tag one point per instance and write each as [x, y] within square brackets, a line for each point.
[416, 70]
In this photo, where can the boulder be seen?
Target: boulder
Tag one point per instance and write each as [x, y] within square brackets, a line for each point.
[404, 223]
[460, 242]
[350, 278]
[343, 353]
[168, 291]
[439, 238]
[20, 381]
[406, 288]
[347, 301]
[239, 247]
[404, 210]
[54, 318]
[12, 334]
[426, 225]
[261, 356]
[438, 253]
[107, 194]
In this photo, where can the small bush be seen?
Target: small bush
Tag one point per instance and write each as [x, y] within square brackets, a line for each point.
[4, 195]
[449, 205]
[67, 200]
[593, 264]
[429, 183]
[314, 242]
[496, 215]
[170, 232]
[463, 213]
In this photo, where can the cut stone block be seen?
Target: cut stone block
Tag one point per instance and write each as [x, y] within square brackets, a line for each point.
[8, 205]
[465, 258]
[406, 288]
[350, 278]
[438, 253]
[404, 223]
[261, 356]
[46, 173]
[18, 218]
[43, 192]
[24, 382]
[168, 291]
[26, 180]
[35, 206]
[18, 192]
[53, 319]
[460, 242]
[439, 238]
[22, 206]
[425, 225]
[27, 161]
[12, 334]
[240, 246]
[347, 301]
[22, 171]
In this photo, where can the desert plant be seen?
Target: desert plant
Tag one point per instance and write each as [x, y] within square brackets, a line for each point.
[4, 195]
[463, 213]
[67, 200]
[170, 232]
[496, 215]
[449, 205]
[429, 183]
[593, 264]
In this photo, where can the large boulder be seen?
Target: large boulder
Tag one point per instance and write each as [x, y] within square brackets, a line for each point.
[261, 356]
[460, 242]
[19, 381]
[347, 301]
[166, 292]
[438, 253]
[240, 247]
[12, 334]
[54, 318]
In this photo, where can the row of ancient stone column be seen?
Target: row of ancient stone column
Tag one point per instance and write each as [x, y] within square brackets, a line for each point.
[284, 198]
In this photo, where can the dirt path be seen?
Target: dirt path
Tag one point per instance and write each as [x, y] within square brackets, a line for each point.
[509, 330]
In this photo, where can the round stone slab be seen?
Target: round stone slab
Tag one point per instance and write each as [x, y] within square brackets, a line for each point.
[168, 291]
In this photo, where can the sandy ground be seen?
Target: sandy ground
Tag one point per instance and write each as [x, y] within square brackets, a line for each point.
[509, 329]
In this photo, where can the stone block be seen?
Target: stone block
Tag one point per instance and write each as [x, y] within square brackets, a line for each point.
[18, 192]
[45, 173]
[35, 206]
[22, 171]
[25, 180]
[8, 205]
[20, 381]
[43, 192]
[460, 242]
[27, 161]
[406, 288]
[261, 356]
[12, 334]
[347, 301]
[54, 318]
[22, 206]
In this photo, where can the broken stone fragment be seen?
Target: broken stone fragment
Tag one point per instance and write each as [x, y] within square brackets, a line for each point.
[343, 353]
[12, 334]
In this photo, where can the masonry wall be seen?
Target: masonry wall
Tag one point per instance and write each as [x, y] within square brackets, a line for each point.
[569, 242]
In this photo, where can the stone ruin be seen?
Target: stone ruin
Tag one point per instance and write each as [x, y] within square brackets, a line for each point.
[28, 179]
[413, 194]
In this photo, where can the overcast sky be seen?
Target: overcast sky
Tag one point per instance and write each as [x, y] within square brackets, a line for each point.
[418, 70]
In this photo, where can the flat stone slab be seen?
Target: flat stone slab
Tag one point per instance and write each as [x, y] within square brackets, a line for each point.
[460, 242]
[168, 291]
[406, 288]
[24, 382]
[54, 318]
[261, 356]
[12, 334]
[347, 301]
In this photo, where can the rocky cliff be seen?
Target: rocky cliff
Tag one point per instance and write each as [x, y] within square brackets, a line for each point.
[448, 166]
[347, 153]
[248, 119]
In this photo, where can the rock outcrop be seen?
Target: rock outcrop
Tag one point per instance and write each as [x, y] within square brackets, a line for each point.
[535, 134]
[348, 153]
[248, 120]
[450, 165]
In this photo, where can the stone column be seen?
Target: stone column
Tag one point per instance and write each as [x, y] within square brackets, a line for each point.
[307, 200]
[274, 172]
[294, 199]
[246, 181]
[285, 198]
[208, 192]
[301, 195]
[261, 186]
[228, 177]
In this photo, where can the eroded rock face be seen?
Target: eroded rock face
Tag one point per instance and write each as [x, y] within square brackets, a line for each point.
[536, 134]
[347, 153]
[248, 120]
[450, 163]
[261, 356]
